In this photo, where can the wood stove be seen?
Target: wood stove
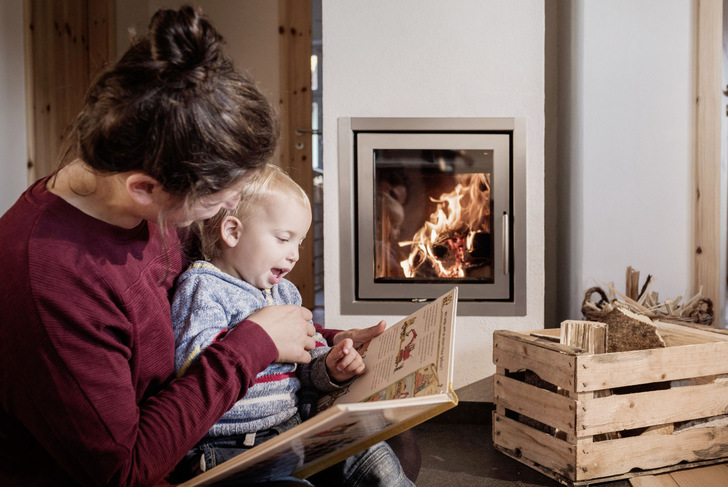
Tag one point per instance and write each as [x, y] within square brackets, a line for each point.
[428, 204]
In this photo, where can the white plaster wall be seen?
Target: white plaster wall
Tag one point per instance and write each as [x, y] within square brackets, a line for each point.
[415, 58]
[631, 199]
[13, 164]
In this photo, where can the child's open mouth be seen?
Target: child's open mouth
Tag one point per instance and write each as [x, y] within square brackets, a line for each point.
[278, 274]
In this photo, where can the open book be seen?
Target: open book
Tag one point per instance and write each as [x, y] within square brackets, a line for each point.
[408, 381]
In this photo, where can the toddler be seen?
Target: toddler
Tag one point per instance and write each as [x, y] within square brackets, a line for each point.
[247, 253]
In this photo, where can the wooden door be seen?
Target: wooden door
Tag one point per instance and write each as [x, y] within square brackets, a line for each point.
[295, 149]
[67, 43]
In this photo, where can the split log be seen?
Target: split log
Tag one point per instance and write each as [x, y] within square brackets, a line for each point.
[590, 336]
[628, 331]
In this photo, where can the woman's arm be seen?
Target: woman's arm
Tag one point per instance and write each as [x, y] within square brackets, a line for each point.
[86, 372]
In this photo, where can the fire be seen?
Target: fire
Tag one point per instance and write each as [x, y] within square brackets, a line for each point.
[446, 240]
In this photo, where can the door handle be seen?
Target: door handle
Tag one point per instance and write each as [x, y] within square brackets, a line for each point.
[302, 131]
[505, 242]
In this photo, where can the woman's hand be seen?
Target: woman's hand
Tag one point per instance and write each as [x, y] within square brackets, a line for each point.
[361, 335]
[290, 329]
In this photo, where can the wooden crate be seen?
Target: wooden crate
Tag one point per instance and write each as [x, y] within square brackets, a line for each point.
[590, 418]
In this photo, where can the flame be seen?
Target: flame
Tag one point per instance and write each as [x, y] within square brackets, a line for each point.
[451, 229]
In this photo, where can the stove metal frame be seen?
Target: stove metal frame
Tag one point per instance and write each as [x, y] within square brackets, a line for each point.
[358, 138]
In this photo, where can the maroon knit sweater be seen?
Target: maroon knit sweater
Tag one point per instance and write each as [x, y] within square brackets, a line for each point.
[87, 352]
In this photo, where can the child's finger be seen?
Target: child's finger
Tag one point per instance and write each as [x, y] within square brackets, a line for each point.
[345, 361]
[356, 367]
[344, 346]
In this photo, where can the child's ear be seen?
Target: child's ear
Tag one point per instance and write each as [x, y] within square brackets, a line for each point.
[141, 187]
[231, 229]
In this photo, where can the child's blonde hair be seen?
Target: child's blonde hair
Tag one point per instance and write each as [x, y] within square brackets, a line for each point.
[261, 185]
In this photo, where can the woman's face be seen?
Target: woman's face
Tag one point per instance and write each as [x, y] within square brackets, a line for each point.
[205, 207]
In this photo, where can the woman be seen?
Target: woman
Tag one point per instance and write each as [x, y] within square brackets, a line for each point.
[166, 137]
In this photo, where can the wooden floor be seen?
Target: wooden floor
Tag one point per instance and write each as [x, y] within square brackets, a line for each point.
[710, 476]
[457, 451]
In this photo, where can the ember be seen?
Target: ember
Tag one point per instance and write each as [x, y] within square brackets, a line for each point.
[452, 242]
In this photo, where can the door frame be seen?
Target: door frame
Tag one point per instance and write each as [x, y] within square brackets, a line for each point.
[708, 266]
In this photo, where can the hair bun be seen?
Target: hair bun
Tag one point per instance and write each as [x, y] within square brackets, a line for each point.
[186, 46]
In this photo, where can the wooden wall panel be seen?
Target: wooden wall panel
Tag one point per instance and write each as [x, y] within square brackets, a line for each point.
[62, 46]
[296, 99]
[707, 261]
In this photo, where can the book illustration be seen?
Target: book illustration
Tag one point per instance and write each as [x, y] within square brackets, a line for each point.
[363, 349]
[267, 469]
[421, 382]
[330, 440]
[406, 350]
[426, 382]
[402, 387]
[306, 450]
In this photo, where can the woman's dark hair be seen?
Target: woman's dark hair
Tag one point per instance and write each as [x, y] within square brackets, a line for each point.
[175, 108]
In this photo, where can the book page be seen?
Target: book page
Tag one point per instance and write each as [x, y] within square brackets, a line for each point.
[409, 359]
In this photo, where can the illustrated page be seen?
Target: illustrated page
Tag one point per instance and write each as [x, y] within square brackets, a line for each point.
[411, 358]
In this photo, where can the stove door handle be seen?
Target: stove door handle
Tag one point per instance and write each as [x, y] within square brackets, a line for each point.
[505, 242]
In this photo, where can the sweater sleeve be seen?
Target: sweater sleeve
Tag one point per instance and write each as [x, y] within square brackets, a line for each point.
[86, 375]
[315, 375]
[79, 401]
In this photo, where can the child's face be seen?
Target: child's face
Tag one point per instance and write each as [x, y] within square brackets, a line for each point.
[269, 243]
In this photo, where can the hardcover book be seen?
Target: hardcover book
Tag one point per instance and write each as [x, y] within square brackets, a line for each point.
[408, 380]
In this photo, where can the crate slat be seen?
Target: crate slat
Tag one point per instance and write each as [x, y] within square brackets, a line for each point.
[610, 370]
[521, 443]
[675, 335]
[606, 458]
[630, 411]
[550, 408]
[548, 360]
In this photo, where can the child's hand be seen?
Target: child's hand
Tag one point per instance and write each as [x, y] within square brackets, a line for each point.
[344, 362]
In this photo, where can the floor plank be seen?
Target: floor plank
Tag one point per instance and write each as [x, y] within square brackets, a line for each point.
[709, 476]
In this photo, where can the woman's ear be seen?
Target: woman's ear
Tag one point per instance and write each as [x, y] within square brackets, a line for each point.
[142, 188]
[231, 229]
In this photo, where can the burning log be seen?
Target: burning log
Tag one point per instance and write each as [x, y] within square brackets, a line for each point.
[453, 256]
[453, 240]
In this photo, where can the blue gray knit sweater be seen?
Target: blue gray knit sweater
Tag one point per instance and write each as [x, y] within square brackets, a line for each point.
[207, 303]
